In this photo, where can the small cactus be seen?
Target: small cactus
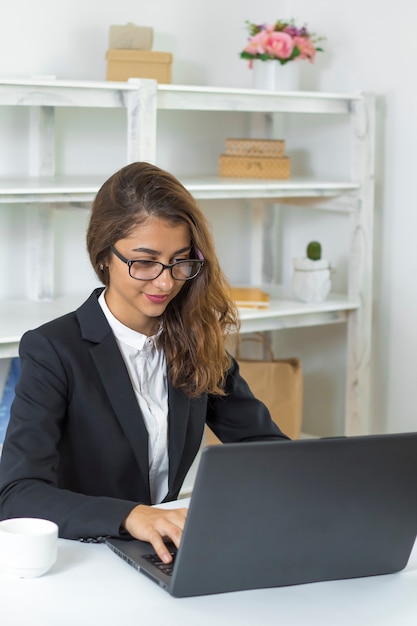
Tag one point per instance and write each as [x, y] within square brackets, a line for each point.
[314, 251]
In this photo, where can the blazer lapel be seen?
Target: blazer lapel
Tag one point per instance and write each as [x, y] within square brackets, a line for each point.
[179, 413]
[112, 370]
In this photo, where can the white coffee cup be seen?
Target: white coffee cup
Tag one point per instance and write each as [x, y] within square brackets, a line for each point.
[28, 546]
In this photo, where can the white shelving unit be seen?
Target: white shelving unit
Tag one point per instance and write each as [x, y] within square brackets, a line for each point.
[142, 100]
[354, 196]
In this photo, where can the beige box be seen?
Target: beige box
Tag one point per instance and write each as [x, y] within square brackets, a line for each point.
[125, 64]
[274, 148]
[254, 167]
[131, 36]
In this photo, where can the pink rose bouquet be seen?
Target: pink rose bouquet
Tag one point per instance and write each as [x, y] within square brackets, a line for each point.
[282, 41]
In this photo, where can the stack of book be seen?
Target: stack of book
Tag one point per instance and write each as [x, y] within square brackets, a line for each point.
[250, 297]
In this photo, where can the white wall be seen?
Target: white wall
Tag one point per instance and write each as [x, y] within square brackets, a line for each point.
[367, 48]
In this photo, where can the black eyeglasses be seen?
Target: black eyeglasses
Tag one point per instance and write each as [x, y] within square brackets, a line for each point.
[149, 270]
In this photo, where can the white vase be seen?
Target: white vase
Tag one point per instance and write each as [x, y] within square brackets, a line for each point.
[311, 280]
[272, 76]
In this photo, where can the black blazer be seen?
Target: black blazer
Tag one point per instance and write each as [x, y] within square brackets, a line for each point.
[76, 450]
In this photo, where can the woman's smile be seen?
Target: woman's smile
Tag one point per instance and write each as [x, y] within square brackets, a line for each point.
[157, 299]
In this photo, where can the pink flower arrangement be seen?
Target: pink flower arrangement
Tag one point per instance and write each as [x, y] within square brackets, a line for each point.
[281, 41]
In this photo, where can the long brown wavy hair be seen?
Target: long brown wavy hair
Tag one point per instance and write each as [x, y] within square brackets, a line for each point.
[196, 323]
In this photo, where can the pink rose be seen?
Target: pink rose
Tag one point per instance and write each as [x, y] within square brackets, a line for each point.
[256, 44]
[279, 45]
[306, 48]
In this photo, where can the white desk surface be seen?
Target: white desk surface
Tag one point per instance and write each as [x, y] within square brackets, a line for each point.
[90, 585]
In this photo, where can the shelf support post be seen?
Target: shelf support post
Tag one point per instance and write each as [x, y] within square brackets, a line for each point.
[358, 405]
[40, 253]
[42, 141]
[40, 236]
[141, 121]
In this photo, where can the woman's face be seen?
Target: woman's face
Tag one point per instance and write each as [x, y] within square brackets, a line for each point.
[138, 303]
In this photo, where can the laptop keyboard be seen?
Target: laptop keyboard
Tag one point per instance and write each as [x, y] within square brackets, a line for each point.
[166, 568]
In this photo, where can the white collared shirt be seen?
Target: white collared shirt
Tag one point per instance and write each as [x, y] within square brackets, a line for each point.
[147, 369]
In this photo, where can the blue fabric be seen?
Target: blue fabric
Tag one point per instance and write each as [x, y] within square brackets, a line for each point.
[8, 396]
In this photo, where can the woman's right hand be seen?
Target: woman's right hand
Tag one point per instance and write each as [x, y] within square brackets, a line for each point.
[152, 524]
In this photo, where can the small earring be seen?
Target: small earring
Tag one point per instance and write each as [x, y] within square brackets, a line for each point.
[101, 266]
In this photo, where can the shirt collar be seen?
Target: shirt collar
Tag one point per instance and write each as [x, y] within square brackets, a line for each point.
[123, 333]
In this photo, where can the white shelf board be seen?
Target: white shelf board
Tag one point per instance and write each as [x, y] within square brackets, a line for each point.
[63, 189]
[58, 93]
[219, 187]
[49, 189]
[192, 97]
[287, 313]
[53, 92]
[16, 317]
[45, 81]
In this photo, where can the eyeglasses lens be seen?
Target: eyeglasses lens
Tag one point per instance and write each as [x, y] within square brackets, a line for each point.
[149, 270]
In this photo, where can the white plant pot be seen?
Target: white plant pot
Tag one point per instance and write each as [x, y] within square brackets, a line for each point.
[272, 76]
[311, 280]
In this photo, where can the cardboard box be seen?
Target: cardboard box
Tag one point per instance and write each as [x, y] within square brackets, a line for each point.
[124, 64]
[274, 148]
[254, 167]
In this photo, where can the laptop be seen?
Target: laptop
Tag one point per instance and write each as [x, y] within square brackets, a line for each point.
[275, 513]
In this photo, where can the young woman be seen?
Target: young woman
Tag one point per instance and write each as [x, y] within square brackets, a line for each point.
[112, 399]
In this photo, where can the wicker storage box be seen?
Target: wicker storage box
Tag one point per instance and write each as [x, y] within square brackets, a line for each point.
[254, 167]
[123, 64]
[274, 148]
